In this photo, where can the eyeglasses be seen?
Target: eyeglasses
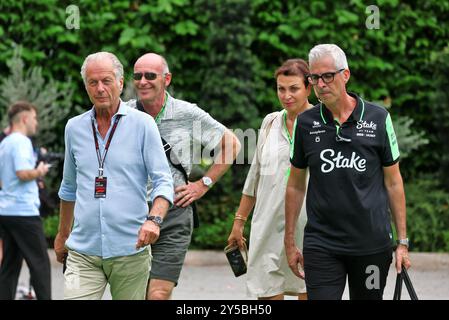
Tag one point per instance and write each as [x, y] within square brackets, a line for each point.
[327, 77]
[147, 75]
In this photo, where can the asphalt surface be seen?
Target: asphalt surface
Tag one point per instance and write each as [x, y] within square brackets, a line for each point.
[207, 276]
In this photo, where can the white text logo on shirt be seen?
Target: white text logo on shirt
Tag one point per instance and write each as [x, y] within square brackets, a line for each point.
[363, 124]
[340, 161]
[366, 129]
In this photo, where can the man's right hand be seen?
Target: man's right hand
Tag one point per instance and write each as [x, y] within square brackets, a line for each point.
[295, 260]
[59, 246]
[148, 234]
[42, 168]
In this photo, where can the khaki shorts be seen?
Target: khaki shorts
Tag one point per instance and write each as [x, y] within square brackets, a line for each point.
[86, 276]
[170, 249]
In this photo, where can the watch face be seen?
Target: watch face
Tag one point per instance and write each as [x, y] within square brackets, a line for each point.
[156, 219]
[404, 242]
[207, 181]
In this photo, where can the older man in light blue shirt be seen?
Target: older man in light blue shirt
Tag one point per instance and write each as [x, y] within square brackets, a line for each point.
[110, 152]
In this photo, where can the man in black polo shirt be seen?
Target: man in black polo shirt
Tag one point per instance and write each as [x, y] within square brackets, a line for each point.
[350, 148]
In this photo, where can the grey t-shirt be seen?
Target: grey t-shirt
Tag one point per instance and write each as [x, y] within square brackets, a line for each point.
[186, 127]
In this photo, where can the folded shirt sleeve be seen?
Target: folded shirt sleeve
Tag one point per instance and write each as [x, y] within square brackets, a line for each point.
[67, 190]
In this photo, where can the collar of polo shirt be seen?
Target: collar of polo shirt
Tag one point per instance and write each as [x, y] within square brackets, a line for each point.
[356, 115]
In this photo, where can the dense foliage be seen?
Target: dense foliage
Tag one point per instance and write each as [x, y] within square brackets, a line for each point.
[427, 215]
[223, 54]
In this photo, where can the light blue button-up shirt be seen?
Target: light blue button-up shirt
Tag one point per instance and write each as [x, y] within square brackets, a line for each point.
[108, 227]
[17, 197]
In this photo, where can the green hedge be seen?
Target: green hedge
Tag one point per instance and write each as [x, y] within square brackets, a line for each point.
[51, 223]
[223, 55]
[427, 215]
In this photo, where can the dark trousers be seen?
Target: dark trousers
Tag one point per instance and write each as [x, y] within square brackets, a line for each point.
[326, 275]
[23, 238]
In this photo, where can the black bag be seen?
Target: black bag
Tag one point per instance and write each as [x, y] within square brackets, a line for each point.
[403, 276]
[236, 259]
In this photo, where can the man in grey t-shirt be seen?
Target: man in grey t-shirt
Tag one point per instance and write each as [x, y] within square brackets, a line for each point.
[186, 128]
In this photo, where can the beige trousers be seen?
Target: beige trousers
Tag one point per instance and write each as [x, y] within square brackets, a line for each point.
[86, 276]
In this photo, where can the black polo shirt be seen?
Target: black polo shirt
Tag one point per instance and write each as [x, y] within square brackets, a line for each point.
[347, 203]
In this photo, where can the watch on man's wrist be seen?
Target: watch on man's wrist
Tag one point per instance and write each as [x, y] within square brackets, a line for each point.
[404, 242]
[156, 219]
[207, 181]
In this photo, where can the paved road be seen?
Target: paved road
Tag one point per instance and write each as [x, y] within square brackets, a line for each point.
[207, 276]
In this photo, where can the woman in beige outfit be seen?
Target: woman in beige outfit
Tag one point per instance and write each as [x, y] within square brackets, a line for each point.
[269, 276]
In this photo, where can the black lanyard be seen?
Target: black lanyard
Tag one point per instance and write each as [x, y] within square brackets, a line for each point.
[97, 148]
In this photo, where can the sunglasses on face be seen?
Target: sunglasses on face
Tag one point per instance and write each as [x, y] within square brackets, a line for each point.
[147, 75]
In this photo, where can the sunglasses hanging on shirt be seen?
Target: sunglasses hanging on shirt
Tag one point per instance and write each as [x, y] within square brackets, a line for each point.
[339, 135]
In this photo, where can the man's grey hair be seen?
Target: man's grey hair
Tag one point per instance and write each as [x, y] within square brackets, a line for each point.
[117, 65]
[165, 69]
[329, 50]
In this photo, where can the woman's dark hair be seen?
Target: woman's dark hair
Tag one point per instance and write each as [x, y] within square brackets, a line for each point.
[294, 67]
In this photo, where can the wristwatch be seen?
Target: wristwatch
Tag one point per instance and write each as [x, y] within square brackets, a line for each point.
[207, 181]
[156, 219]
[404, 242]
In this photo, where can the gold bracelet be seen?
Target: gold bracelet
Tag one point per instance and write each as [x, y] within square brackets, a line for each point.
[239, 217]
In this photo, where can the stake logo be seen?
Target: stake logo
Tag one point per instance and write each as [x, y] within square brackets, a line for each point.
[340, 161]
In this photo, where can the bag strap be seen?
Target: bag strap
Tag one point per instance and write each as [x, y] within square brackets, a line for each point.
[408, 284]
[177, 165]
[403, 276]
[167, 150]
[398, 288]
[267, 129]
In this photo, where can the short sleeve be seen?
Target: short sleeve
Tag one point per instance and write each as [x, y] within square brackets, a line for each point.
[67, 189]
[211, 130]
[23, 155]
[252, 179]
[297, 153]
[390, 154]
